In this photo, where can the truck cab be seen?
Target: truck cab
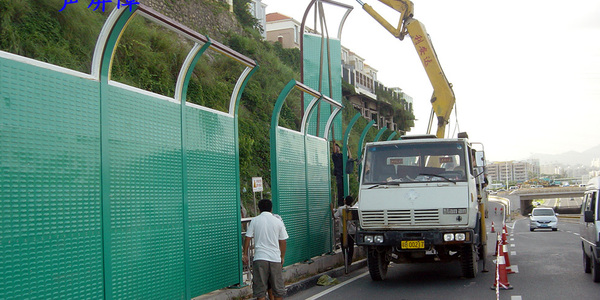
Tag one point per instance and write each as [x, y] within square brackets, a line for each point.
[419, 201]
[589, 229]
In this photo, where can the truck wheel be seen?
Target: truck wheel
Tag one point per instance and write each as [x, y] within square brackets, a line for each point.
[468, 261]
[377, 263]
[587, 263]
[595, 269]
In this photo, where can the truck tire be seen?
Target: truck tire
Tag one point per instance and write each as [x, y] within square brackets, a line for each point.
[468, 261]
[595, 269]
[377, 263]
[587, 263]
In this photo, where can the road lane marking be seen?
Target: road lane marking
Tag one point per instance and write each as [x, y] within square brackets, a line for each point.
[518, 297]
[513, 253]
[325, 292]
[514, 268]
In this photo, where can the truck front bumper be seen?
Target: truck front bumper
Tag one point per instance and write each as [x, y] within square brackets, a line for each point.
[414, 240]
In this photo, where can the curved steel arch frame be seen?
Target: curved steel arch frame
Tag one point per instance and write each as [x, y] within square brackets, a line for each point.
[345, 151]
[361, 142]
[324, 83]
[379, 134]
[300, 180]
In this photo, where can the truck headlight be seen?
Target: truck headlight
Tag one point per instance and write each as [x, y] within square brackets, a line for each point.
[368, 239]
[379, 239]
[460, 237]
[448, 237]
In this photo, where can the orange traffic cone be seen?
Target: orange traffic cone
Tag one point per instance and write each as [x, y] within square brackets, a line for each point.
[506, 259]
[493, 227]
[501, 280]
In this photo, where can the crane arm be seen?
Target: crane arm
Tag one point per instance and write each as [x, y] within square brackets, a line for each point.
[443, 98]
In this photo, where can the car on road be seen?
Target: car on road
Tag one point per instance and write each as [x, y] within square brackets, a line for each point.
[543, 217]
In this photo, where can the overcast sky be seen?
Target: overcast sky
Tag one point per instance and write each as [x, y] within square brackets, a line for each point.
[526, 73]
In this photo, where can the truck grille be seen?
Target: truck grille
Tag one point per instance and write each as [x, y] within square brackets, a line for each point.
[394, 218]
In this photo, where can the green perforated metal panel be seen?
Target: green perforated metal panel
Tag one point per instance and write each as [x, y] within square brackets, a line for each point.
[51, 225]
[318, 189]
[50, 222]
[146, 207]
[213, 206]
[312, 68]
[290, 201]
[302, 193]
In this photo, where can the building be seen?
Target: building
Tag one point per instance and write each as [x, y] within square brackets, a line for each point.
[364, 79]
[407, 104]
[258, 11]
[283, 29]
[513, 171]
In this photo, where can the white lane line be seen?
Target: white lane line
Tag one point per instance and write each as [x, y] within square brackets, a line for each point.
[516, 297]
[325, 292]
[514, 268]
[513, 253]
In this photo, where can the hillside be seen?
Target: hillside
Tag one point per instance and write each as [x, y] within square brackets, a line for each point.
[570, 158]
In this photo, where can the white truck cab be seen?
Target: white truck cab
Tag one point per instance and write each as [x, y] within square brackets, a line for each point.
[589, 229]
[420, 200]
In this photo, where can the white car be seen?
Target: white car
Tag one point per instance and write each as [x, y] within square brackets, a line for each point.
[543, 217]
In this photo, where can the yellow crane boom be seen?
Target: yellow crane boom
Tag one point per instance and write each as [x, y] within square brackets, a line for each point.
[443, 98]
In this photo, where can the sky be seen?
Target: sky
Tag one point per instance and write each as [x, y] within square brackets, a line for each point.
[525, 73]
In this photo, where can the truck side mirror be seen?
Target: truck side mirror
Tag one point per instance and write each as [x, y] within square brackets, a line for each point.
[588, 216]
[479, 159]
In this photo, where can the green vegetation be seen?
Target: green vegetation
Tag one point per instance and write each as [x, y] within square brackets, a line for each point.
[38, 30]
[404, 118]
[149, 57]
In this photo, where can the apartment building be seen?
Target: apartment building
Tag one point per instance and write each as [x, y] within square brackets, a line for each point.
[518, 171]
[258, 10]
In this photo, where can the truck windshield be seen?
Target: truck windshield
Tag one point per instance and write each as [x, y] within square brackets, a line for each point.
[415, 162]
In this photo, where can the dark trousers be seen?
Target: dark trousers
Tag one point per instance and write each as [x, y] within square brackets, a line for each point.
[339, 181]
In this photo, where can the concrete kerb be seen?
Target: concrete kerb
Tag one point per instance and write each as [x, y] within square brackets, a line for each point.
[321, 265]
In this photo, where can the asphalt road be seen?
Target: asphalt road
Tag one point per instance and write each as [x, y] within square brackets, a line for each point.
[548, 265]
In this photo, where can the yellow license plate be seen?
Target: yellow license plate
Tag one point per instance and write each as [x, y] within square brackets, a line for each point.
[412, 244]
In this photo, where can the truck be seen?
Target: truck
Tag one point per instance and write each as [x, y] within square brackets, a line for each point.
[422, 198]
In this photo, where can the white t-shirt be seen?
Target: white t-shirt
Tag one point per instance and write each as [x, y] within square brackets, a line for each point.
[267, 230]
